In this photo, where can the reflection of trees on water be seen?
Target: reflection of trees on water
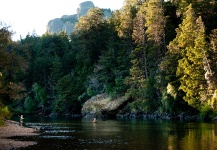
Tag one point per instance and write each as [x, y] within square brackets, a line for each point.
[193, 136]
[126, 134]
[155, 134]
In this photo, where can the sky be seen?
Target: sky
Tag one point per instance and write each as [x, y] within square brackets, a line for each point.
[28, 16]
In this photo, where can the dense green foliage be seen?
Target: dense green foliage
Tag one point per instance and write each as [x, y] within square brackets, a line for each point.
[162, 54]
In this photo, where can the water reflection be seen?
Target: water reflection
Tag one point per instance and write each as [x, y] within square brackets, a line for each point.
[127, 135]
[197, 136]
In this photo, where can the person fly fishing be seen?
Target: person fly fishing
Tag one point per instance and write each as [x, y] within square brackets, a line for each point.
[94, 120]
[21, 120]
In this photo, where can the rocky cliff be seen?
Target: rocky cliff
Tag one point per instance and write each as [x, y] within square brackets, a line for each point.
[84, 7]
[102, 105]
[67, 22]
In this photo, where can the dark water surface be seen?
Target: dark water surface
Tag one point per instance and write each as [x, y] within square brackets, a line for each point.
[69, 133]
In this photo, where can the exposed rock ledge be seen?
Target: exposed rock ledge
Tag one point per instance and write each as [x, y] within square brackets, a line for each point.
[102, 105]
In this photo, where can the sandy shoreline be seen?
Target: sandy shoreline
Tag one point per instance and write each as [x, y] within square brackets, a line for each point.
[13, 129]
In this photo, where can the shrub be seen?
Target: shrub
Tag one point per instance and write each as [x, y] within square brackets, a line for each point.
[4, 113]
[206, 112]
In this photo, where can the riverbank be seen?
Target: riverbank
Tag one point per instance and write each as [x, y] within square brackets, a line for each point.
[12, 129]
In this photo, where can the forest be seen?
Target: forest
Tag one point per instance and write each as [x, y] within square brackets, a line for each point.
[162, 54]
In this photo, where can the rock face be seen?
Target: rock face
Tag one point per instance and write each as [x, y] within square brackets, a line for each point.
[55, 25]
[102, 105]
[84, 7]
[67, 22]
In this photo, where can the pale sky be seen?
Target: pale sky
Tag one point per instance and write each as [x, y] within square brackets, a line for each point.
[26, 16]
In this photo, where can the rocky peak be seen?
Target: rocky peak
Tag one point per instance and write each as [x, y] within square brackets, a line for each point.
[67, 22]
[84, 7]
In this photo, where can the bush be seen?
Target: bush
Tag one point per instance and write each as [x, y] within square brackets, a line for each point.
[206, 112]
[4, 113]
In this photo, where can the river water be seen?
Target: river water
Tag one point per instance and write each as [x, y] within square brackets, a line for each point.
[69, 133]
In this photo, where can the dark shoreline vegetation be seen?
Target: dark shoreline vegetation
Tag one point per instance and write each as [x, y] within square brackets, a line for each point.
[158, 63]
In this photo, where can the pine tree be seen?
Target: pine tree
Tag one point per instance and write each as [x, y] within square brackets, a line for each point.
[211, 69]
[155, 21]
[155, 24]
[191, 45]
[126, 19]
[139, 69]
[91, 20]
[11, 66]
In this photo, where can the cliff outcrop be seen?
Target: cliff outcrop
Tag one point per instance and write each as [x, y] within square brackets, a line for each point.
[67, 22]
[103, 105]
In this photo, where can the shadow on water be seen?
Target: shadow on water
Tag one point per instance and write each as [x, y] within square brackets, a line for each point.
[68, 133]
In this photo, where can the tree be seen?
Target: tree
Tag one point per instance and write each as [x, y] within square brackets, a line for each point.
[190, 43]
[113, 68]
[30, 105]
[11, 66]
[127, 15]
[89, 42]
[91, 20]
[67, 94]
[204, 8]
[139, 70]
[89, 39]
[211, 68]
[155, 24]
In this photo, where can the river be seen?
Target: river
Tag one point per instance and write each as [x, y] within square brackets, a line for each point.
[69, 133]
